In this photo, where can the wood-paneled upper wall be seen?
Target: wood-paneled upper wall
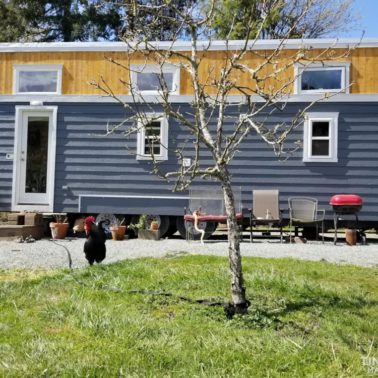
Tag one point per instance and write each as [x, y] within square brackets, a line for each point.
[80, 68]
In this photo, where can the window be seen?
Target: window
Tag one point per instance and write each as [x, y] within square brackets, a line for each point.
[37, 79]
[321, 78]
[320, 137]
[146, 78]
[152, 138]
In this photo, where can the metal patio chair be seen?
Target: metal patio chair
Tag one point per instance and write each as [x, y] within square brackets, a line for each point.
[265, 210]
[209, 204]
[304, 211]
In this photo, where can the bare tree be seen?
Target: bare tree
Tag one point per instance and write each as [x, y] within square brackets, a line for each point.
[263, 79]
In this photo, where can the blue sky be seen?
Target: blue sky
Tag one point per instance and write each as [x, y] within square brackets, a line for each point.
[368, 11]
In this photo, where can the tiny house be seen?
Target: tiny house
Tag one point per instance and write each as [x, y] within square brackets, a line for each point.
[54, 156]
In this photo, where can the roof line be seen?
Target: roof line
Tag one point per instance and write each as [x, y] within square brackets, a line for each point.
[214, 45]
[39, 100]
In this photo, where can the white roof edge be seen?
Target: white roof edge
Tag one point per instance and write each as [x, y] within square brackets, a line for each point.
[186, 45]
[184, 99]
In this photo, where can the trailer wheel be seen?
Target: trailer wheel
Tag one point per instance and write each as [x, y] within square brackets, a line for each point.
[162, 220]
[182, 226]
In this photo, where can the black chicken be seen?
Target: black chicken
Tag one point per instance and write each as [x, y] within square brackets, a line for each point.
[94, 246]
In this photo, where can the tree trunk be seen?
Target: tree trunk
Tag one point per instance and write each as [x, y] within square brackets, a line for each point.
[239, 301]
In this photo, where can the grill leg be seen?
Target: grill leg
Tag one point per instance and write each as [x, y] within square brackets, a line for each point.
[361, 233]
[335, 227]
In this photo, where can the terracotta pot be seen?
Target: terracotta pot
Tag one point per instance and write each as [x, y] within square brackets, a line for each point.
[154, 226]
[58, 230]
[351, 236]
[118, 232]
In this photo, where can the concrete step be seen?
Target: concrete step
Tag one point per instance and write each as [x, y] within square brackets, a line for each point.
[10, 232]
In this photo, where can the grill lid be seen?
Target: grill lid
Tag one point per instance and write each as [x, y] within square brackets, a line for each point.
[346, 199]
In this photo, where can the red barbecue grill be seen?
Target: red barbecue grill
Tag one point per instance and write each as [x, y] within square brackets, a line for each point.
[345, 204]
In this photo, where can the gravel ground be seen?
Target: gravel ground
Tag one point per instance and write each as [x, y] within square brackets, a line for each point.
[54, 254]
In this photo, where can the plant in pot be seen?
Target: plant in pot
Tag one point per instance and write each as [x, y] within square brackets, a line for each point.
[141, 228]
[154, 226]
[118, 229]
[59, 227]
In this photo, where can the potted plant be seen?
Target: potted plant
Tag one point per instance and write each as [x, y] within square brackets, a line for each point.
[118, 230]
[141, 228]
[154, 226]
[59, 228]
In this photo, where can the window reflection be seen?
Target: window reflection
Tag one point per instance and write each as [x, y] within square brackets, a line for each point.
[38, 81]
[149, 81]
[320, 148]
[152, 138]
[321, 79]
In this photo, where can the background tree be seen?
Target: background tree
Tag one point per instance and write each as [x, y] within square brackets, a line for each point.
[86, 20]
[59, 20]
[92, 20]
[13, 24]
[163, 21]
[217, 125]
[317, 18]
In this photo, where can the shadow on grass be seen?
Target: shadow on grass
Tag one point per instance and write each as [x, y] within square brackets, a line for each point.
[327, 302]
[261, 315]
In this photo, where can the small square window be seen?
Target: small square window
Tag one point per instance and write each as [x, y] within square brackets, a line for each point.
[319, 78]
[152, 138]
[146, 79]
[320, 137]
[37, 79]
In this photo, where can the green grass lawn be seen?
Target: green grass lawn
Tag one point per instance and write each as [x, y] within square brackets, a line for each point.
[308, 319]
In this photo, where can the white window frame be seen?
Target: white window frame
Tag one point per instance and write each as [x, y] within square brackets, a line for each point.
[163, 137]
[328, 66]
[17, 68]
[332, 119]
[155, 68]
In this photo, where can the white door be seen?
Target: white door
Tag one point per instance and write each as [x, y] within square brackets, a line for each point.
[34, 158]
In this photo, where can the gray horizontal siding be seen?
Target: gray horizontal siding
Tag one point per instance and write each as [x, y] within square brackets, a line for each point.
[355, 172]
[89, 163]
[125, 205]
[92, 164]
[7, 113]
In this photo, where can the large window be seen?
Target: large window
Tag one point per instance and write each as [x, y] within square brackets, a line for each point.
[37, 79]
[149, 79]
[321, 78]
[152, 138]
[320, 137]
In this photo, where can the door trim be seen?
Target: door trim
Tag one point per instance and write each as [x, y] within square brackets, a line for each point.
[20, 111]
